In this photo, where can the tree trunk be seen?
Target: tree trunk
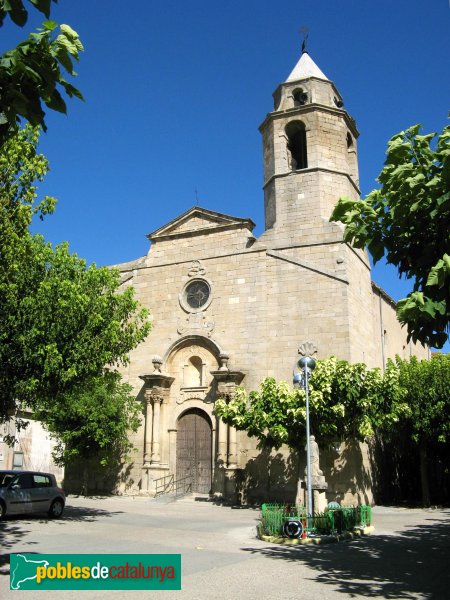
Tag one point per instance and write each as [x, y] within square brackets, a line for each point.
[424, 475]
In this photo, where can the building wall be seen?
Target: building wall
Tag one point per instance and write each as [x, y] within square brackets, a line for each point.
[32, 450]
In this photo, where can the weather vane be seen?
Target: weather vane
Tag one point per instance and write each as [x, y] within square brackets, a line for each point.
[305, 32]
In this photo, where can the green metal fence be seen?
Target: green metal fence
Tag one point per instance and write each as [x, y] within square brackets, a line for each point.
[275, 515]
[332, 521]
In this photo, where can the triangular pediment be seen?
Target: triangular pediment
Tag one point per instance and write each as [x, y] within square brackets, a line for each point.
[198, 221]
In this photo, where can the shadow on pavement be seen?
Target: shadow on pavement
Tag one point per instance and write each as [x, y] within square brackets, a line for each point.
[10, 535]
[409, 564]
[82, 513]
[13, 529]
[227, 503]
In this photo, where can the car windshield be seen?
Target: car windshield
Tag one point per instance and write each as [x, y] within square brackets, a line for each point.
[5, 479]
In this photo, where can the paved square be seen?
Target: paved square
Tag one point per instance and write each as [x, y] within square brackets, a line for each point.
[407, 557]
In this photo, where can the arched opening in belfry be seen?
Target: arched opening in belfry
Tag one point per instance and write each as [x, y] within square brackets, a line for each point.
[300, 97]
[349, 141]
[296, 135]
[351, 155]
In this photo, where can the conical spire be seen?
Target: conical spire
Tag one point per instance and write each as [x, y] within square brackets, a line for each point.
[305, 68]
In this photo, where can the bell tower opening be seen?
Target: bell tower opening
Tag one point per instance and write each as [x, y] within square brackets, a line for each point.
[300, 97]
[296, 135]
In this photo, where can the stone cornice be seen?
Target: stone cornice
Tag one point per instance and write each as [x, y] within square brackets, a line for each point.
[313, 170]
[216, 221]
[313, 106]
[157, 380]
[201, 231]
[379, 290]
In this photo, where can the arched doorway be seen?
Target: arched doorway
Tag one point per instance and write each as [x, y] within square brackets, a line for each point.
[194, 449]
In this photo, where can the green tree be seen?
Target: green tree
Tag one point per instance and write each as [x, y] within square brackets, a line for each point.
[32, 75]
[94, 419]
[63, 325]
[21, 169]
[426, 385]
[407, 220]
[17, 12]
[346, 401]
[62, 322]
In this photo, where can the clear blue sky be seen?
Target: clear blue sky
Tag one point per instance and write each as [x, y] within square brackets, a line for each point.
[175, 92]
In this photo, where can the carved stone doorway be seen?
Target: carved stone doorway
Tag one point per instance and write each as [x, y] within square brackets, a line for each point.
[194, 449]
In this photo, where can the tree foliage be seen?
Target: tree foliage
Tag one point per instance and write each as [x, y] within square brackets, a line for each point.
[61, 322]
[427, 393]
[411, 399]
[18, 13]
[94, 420]
[21, 169]
[407, 220]
[346, 401]
[426, 425]
[33, 74]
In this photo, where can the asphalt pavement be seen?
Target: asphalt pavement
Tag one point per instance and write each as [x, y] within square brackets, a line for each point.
[408, 556]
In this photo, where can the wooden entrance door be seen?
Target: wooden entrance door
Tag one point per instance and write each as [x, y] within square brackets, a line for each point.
[194, 448]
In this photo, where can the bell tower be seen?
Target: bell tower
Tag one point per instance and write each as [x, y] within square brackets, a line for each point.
[322, 285]
[310, 155]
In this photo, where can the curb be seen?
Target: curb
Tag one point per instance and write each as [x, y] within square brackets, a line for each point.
[325, 539]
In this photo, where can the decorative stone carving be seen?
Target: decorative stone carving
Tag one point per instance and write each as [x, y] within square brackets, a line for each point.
[192, 394]
[196, 323]
[307, 349]
[157, 363]
[225, 377]
[196, 269]
[226, 382]
[224, 358]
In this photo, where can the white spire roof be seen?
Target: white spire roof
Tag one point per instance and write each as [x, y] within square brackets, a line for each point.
[305, 68]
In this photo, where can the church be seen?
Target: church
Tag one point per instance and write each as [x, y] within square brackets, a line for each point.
[229, 309]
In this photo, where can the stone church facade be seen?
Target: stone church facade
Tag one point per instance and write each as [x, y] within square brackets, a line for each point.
[230, 309]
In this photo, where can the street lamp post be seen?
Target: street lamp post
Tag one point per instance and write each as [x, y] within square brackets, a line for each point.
[307, 364]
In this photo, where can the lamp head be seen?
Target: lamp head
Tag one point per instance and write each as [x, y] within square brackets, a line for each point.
[308, 362]
[298, 380]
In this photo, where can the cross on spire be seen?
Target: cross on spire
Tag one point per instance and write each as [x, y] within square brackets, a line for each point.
[305, 32]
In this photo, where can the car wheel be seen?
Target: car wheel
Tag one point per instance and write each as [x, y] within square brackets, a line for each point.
[2, 511]
[56, 509]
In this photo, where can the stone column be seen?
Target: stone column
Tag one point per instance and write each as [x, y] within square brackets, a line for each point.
[156, 458]
[226, 381]
[222, 444]
[232, 451]
[147, 441]
[148, 428]
[157, 388]
[214, 438]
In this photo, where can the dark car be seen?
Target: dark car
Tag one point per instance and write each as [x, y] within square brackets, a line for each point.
[25, 492]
